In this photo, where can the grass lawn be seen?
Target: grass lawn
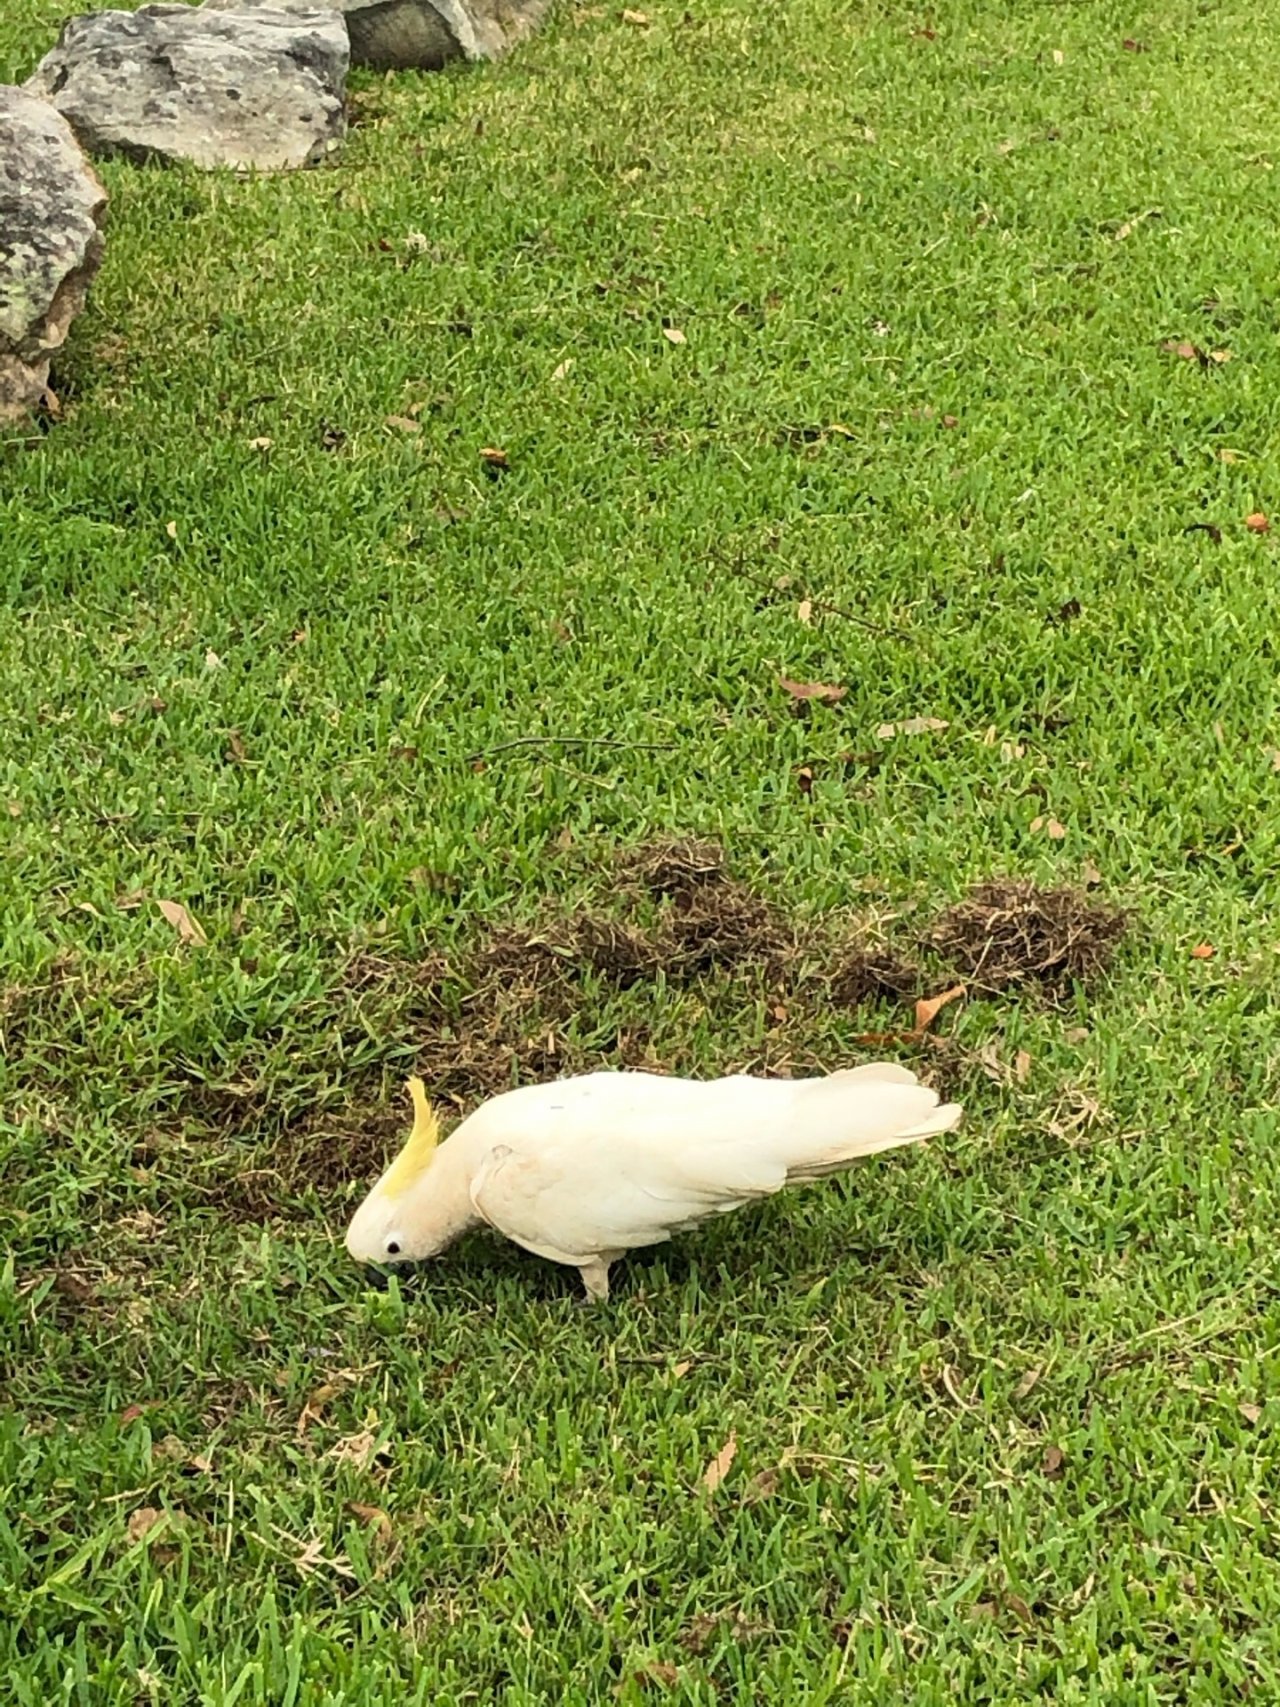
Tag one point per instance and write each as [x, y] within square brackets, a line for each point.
[822, 341]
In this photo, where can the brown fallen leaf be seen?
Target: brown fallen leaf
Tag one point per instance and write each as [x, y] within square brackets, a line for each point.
[804, 778]
[1021, 1066]
[1203, 951]
[1021, 1611]
[1183, 348]
[313, 1407]
[1052, 1462]
[495, 457]
[660, 1672]
[235, 748]
[178, 916]
[822, 691]
[1131, 46]
[682, 1368]
[1249, 1411]
[142, 1522]
[951, 420]
[639, 19]
[14, 808]
[404, 423]
[261, 444]
[1257, 523]
[804, 611]
[373, 1514]
[929, 1007]
[1027, 1383]
[356, 1449]
[131, 1413]
[1051, 827]
[674, 335]
[718, 1468]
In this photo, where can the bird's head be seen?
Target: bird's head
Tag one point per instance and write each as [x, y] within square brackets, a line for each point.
[413, 1210]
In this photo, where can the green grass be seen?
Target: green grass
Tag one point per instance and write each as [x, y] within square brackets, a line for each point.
[855, 225]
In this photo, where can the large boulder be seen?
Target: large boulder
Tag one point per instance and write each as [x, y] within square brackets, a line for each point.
[254, 89]
[420, 35]
[51, 213]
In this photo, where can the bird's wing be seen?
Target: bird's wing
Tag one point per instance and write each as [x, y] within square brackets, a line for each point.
[610, 1161]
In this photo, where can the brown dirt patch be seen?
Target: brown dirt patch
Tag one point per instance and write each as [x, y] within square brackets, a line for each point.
[1009, 931]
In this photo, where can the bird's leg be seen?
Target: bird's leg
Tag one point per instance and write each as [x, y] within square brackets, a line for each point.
[595, 1277]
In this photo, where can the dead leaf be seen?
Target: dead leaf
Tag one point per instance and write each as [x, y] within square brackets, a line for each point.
[1257, 523]
[564, 370]
[356, 1449]
[14, 808]
[1250, 1412]
[951, 420]
[235, 748]
[804, 611]
[912, 726]
[403, 423]
[171, 528]
[495, 457]
[1203, 951]
[261, 444]
[1051, 827]
[641, 20]
[1226, 454]
[374, 1514]
[929, 1007]
[131, 1413]
[763, 1485]
[178, 916]
[313, 1406]
[1021, 1611]
[822, 691]
[718, 1468]
[1028, 1382]
[674, 335]
[804, 778]
[1182, 347]
[1131, 46]
[1090, 876]
[142, 1522]
[1052, 1462]
[1021, 1066]
[682, 1368]
[211, 662]
[1221, 356]
[660, 1672]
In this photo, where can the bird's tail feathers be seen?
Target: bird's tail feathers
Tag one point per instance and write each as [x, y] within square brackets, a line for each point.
[861, 1112]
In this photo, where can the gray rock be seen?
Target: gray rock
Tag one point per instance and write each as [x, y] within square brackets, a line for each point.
[420, 35]
[261, 88]
[51, 213]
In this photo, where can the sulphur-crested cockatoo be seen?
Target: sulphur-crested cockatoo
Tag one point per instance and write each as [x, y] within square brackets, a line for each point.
[581, 1170]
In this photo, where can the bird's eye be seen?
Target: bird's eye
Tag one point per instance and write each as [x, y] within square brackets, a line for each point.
[393, 1247]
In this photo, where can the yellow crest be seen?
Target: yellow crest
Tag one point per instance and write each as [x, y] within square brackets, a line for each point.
[414, 1159]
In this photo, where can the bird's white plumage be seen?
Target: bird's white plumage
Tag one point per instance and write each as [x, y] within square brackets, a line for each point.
[600, 1164]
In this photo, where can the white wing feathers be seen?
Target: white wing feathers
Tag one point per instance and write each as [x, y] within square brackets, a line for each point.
[588, 1167]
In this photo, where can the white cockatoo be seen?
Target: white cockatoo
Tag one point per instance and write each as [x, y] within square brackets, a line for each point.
[581, 1170]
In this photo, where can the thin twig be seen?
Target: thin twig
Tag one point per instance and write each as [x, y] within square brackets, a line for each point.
[571, 741]
[886, 630]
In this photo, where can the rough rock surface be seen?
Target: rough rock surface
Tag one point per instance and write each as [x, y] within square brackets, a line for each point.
[261, 88]
[420, 35]
[51, 212]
